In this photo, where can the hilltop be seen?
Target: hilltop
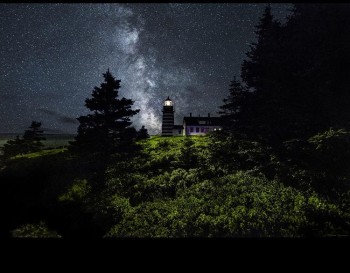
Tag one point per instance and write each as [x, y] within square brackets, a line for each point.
[170, 187]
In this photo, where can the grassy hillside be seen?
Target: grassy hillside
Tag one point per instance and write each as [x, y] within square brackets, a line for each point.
[169, 187]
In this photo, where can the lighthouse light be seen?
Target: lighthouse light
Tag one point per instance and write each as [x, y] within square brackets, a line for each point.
[168, 103]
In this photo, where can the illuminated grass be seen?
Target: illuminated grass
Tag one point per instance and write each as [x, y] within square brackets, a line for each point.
[40, 153]
[167, 151]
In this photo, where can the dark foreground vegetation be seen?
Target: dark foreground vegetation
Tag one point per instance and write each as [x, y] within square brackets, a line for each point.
[280, 167]
[180, 187]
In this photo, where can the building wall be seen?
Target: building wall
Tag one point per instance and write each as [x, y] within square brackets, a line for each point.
[177, 132]
[199, 129]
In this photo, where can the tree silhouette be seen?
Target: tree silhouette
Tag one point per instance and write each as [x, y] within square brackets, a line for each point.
[261, 72]
[33, 137]
[13, 147]
[233, 111]
[296, 75]
[256, 70]
[142, 133]
[106, 130]
[30, 142]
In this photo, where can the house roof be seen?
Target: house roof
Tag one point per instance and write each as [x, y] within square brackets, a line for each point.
[211, 121]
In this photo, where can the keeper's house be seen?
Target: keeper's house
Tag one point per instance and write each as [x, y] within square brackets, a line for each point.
[193, 126]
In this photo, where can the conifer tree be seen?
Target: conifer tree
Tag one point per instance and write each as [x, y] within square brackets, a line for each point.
[12, 148]
[142, 133]
[234, 104]
[107, 129]
[30, 142]
[33, 136]
[262, 53]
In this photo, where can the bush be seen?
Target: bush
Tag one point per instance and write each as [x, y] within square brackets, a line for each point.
[228, 154]
[238, 205]
[38, 230]
[320, 162]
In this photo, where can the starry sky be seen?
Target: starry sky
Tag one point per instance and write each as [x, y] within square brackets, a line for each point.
[52, 56]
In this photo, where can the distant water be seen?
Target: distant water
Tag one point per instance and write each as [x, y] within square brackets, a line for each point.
[52, 140]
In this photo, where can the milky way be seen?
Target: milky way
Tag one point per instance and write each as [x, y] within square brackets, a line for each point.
[52, 55]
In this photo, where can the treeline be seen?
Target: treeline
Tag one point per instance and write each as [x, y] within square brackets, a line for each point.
[294, 81]
[106, 130]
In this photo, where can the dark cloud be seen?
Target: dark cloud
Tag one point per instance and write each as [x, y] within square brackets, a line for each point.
[52, 131]
[68, 120]
[60, 117]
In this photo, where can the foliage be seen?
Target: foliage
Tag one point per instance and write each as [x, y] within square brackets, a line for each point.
[235, 205]
[142, 133]
[320, 162]
[227, 154]
[34, 135]
[332, 149]
[234, 188]
[107, 129]
[78, 191]
[234, 110]
[29, 143]
[38, 230]
[295, 75]
[13, 147]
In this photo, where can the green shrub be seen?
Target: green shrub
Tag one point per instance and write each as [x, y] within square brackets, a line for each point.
[78, 190]
[238, 205]
[320, 163]
[38, 230]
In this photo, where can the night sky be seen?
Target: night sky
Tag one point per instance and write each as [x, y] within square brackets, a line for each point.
[52, 55]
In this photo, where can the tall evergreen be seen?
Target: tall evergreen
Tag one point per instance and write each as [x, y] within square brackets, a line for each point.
[260, 72]
[258, 66]
[233, 111]
[296, 74]
[318, 39]
[107, 129]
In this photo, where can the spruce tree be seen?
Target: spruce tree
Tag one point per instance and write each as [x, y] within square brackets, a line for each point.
[262, 53]
[33, 136]
[142, 133]
[262, 74]
[13, 147]
[297, 74]
[107, 129]
[29, 143]
[233, 110]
